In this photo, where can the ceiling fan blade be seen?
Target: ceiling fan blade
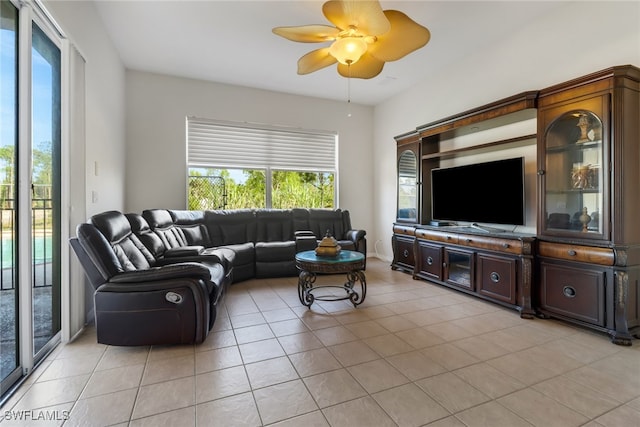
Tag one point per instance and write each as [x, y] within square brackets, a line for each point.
[315, 60]
[366, 16]
[307, 33]
[405, 36]
[366, 68]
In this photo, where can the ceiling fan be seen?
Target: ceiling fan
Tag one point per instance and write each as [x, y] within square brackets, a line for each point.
[363, 39]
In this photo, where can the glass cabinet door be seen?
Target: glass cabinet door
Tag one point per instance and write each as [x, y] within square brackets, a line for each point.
[574, 176]
[407, 186]
[458, 269]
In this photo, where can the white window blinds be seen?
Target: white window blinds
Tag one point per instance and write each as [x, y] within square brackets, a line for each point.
[220, 144]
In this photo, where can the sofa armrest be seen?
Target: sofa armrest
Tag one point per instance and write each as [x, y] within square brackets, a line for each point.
[182, 251]
[358, 238]
[355, 235]
[302, 233]
[184, 270]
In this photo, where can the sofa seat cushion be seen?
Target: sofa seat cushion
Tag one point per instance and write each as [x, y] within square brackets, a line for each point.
[243, 253]
[275, 251]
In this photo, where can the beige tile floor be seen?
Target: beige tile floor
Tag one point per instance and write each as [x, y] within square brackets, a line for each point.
[413, 354]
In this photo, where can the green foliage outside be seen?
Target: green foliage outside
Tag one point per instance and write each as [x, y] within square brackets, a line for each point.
[289, 189]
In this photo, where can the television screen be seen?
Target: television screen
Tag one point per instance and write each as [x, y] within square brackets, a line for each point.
[489, 192]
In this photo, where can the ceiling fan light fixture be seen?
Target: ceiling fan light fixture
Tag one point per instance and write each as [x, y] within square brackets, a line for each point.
[348, 50]
[365, 38]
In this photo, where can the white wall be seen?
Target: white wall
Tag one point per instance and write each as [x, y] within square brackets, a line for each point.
[573, 40]
[105, 114]
[157, 106]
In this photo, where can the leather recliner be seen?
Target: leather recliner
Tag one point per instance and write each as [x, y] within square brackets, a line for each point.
[139, 301]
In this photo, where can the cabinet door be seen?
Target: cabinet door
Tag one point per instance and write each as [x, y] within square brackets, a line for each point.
[430, 261]
[574, 200]
[403, 252]
[408, 183]
[496, 277]
[458, 268]
[573, 291]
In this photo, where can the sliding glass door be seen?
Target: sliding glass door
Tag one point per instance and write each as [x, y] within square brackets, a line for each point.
[30, 147]
[45, 186]
[9, 343]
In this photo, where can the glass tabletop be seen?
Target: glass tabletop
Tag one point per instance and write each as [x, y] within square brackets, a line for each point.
[343, 257]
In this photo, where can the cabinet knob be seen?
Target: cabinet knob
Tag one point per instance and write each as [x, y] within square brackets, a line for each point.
[506, 245]
[540, 172]
[429, 261]
[495, 277]
[569, 291]
[405, 253]
[468, 240]
[571, 252]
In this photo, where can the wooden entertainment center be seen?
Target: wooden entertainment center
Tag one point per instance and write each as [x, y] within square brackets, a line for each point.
[582, 264]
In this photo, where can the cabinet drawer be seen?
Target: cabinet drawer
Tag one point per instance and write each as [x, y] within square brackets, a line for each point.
[573, 292]
[492, 243]
[404, 229]
[404, 251]
[496, 277]
[430, 262]
[438, 236]
[602, 256]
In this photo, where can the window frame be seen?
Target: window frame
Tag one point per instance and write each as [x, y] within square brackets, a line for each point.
[200, 146]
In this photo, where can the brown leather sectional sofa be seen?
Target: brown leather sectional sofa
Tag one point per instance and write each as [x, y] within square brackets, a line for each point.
[158, 276]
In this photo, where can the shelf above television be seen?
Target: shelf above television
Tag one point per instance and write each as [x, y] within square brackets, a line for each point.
[482, 148]
[509, 110]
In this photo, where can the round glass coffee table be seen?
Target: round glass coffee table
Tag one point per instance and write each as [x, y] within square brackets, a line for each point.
[350, 263]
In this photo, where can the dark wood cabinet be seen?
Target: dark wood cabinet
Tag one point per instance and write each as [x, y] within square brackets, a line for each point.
[402, 243]
[495, 268]
[588, 201]
[574, 292]
[429, 260]
[585, 252]
[497, 277]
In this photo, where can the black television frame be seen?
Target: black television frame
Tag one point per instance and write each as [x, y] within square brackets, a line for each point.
[469, 193]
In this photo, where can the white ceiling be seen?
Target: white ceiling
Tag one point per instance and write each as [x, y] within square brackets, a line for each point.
[231, 41]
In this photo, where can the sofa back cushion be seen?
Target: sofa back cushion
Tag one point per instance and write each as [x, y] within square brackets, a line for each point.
[193, 227]
[323, 220]
[149, 239]
[274, 225]
[300, 218]
[231, 227]
[162, 224]
[130, 253]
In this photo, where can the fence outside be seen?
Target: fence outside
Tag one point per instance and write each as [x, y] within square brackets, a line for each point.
[42, 251]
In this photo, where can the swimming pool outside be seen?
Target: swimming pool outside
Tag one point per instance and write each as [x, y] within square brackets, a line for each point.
[42, 248]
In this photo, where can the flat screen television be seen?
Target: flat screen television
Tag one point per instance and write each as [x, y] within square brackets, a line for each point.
[490, 192]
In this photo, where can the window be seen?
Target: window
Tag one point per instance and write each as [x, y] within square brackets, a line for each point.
[238, 165]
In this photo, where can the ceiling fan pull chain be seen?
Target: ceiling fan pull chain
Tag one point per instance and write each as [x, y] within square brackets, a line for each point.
[349, 89]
